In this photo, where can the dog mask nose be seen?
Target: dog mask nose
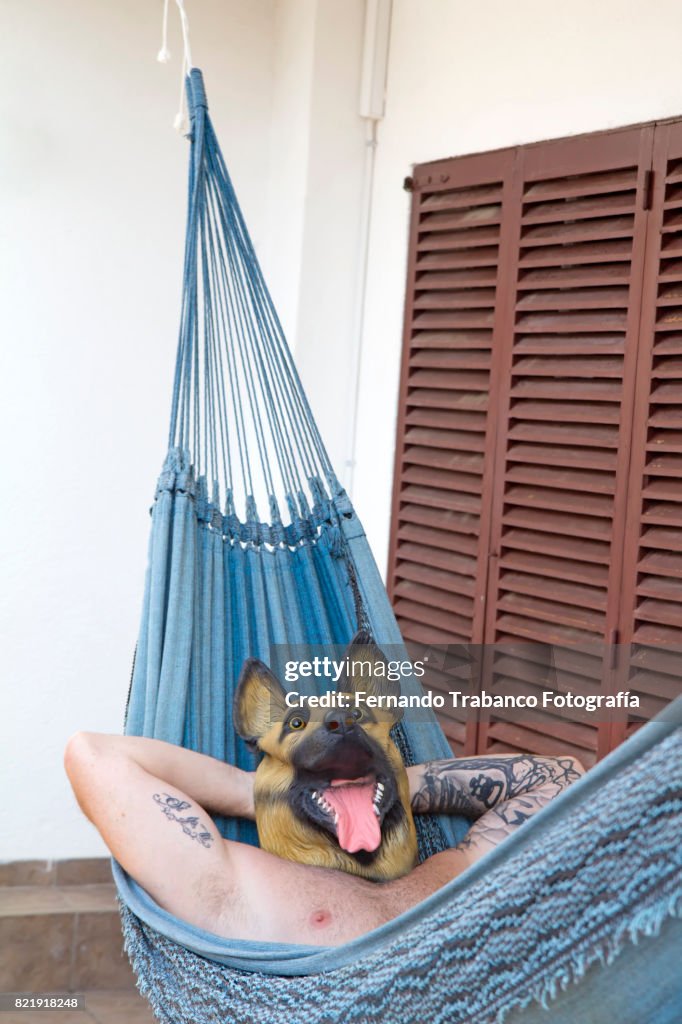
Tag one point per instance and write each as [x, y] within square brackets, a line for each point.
[340, 721]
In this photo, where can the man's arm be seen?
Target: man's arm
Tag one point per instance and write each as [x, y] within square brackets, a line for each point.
[501, 792]
[220, 787]
[147, 799]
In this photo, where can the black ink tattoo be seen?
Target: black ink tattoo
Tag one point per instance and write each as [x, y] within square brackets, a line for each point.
[502, 792]
[472, 786]
[440, 793]
[488, 790]
[191, 826]
[502, 820]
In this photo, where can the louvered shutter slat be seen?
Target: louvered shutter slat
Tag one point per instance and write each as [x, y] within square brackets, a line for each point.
[542, 566]
[593, 183]
[434, 398]
[506, 736]
[438, 520]
[606, 252]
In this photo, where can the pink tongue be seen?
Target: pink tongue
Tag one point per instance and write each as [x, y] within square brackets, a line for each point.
[358, 826]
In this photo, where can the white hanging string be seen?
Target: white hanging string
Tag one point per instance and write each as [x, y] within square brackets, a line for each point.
[180, 122]
[164, 54]
[185, 33]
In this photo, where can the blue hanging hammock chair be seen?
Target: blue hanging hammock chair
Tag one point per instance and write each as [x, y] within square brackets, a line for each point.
[564, 897]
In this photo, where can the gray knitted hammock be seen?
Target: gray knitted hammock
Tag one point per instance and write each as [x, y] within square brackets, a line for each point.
[564, 900]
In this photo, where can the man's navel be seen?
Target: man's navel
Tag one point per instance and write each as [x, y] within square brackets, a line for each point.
[320, 918]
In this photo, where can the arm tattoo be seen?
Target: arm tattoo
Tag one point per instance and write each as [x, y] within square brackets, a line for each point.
[191, 826]
[500, 822]
[440, 793]
[472, 786]
[502, 792]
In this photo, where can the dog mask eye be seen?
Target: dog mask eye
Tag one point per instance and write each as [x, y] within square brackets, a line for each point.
[296, 723]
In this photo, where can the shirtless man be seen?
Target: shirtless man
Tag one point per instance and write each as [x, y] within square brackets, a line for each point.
[135, 791]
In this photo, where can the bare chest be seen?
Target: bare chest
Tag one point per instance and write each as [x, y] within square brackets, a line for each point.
[282, 901]
[315, 906]
[275, 900]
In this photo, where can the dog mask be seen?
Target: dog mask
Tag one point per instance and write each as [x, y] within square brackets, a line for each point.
[331, 789]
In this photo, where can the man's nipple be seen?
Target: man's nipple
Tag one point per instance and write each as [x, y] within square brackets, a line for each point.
[320, 918]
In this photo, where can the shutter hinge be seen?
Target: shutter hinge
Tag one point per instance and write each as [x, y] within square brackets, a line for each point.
[408, 184]
[648, 190]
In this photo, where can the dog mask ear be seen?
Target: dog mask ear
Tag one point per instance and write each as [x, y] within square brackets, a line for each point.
[369, 673]
[259, 701]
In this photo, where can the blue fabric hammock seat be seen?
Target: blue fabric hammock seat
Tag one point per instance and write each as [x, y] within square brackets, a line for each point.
[564, 900]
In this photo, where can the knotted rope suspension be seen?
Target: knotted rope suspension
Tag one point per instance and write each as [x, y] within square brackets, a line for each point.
[237, 397]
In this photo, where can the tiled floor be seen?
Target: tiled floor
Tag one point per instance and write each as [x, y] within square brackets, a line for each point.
[60, 933]
[101, 1007]
[20, 900]
[61, 938]
[84, 871]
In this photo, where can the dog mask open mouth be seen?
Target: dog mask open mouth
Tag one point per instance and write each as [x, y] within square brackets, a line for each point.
[351, 802]
[351, 810]
[331, 789]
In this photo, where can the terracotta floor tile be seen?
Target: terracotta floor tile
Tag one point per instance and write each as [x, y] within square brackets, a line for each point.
[49, 899]
[49, 1017]
[36, 953]
[98, 958]
[119, 1007]
[84, 871]
[105, 1007]
[27, 872]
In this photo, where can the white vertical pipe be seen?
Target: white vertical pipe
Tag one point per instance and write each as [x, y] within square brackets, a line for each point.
[371, 109]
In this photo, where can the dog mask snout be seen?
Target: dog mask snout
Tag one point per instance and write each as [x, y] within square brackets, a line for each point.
[341, 722]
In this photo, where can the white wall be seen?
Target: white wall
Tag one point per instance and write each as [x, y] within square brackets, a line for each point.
[316, 187]
[92, 194]
[292, 78]
[465, 77]
[91, 222]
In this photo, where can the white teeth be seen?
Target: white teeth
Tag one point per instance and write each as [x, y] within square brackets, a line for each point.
[376, 811]
[323, 805]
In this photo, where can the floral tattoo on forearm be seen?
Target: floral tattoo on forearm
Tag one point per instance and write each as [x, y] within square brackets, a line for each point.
[191, 826]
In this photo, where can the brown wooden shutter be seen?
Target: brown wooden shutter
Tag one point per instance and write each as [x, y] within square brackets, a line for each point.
[443, 468]
[651, 615]
[563, 443]
[538, 484]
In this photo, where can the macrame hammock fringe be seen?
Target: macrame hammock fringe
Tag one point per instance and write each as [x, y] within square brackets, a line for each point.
[563, 900]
